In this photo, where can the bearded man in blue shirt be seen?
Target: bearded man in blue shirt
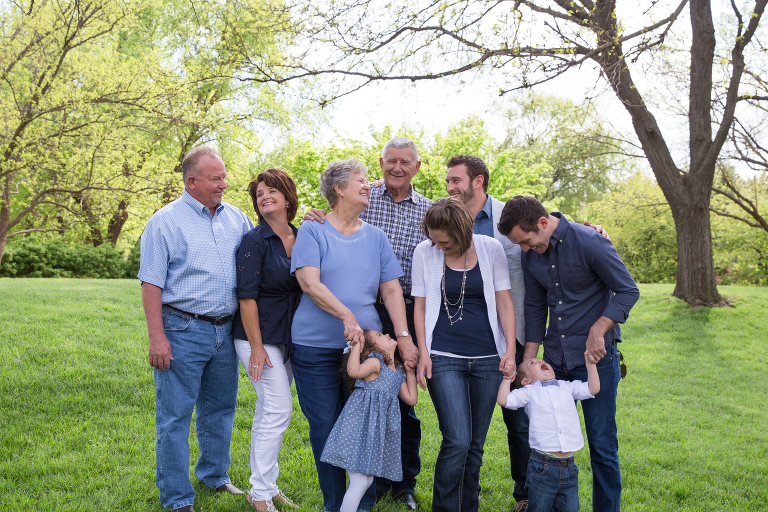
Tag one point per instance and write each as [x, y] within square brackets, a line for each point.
[575, 276]
[189, 295]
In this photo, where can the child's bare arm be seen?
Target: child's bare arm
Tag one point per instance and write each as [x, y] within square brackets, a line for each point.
[409, 393]
[356, 370]
[504, 390]
[593, 379]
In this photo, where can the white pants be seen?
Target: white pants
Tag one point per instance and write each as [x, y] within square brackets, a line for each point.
[270, 419]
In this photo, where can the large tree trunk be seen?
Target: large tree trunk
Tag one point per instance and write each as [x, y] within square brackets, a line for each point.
[91, 220]
[688, 195]
[5, 214]
[695, 265]
[116, 223]
[3, 243]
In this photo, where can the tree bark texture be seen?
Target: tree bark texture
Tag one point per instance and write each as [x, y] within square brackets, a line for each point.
[688, 194]
[695, 273]
[116, 223]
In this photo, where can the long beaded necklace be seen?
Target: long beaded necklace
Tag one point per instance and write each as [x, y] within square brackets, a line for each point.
[460, 301]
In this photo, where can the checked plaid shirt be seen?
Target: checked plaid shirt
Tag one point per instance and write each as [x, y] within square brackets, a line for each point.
[191, 255]
[401, 222]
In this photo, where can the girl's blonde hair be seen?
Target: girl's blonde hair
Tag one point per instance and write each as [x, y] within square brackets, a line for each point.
[370, 346]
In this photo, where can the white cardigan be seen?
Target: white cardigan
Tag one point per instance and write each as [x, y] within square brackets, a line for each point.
[428, 263]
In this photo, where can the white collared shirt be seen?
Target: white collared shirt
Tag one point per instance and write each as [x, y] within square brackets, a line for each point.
[554, 423]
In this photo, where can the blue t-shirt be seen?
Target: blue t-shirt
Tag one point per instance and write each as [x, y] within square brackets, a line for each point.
[352, 267]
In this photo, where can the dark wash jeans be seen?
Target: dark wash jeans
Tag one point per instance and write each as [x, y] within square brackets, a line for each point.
[463, 392]
[517, 438]
[600, 424]
[322, 394]
[553, 484]
[410, 436]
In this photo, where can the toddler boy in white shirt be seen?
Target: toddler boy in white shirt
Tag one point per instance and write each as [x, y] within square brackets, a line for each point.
[554, 431]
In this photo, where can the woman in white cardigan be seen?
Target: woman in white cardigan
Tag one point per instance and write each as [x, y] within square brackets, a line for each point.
[465, 328]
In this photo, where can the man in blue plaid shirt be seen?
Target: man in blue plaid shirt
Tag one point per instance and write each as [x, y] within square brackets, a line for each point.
[188, 292]
[397, 209]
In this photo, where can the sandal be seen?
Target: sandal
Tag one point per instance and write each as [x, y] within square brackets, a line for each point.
[260, 506]
[284, 500]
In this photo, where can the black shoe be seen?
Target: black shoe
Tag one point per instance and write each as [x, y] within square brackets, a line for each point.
[409, 500]
[185, 508]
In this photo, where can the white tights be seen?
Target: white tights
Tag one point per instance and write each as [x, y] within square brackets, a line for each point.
[358, 484]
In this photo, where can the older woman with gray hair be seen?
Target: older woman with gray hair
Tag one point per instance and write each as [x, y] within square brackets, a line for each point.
[340, 264]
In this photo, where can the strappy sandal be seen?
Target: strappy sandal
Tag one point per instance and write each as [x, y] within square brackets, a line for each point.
[267, 506]
[283, 500]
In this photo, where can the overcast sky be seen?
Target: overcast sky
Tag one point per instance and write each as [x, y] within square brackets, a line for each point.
[435, 105]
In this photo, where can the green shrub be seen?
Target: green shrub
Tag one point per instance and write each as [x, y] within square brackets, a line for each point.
[55, 258]
[133, 261]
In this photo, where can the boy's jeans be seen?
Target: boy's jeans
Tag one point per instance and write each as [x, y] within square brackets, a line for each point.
[600, 425]
[552, 484]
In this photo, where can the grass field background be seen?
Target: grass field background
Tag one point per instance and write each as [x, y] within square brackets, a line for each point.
[77, 409]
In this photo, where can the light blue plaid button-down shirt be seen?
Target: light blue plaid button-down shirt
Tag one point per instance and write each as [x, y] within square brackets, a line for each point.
[191, 255]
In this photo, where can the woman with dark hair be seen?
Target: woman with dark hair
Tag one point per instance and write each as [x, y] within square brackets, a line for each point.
[465, 328]
[269, 296]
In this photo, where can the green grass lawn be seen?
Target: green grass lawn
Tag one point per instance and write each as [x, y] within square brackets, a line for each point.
[77, 409]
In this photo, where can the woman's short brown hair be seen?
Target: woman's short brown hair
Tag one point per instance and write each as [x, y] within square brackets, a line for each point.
[280, 180]
[450, 215]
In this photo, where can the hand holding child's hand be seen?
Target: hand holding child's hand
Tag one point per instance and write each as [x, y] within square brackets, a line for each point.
[590, 358]
[507, 366]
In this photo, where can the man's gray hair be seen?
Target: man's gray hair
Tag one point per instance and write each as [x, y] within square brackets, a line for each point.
[189, 164]
[339, 173]
[400, 143]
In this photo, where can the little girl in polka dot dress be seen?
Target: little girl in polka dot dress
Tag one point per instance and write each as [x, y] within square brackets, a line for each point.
[366, 438]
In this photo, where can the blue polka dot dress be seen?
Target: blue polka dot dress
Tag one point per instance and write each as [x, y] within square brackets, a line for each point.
[366, 437]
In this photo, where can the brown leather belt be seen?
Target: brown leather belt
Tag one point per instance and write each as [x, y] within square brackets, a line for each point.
[215, 320]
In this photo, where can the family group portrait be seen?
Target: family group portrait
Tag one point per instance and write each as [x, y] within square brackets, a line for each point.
[358, 256]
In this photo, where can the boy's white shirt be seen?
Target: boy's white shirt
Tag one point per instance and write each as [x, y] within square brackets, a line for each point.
[554, 423]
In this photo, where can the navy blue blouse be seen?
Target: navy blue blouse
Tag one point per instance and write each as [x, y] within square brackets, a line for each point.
[472, 336]
[264, 273]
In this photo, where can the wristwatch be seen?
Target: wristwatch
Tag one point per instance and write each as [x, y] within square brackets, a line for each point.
[403, 334]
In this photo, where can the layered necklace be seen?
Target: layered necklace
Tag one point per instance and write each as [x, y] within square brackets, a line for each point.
[460, 301]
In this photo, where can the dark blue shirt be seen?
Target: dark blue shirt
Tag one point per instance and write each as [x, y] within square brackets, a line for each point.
[579, 279]
[472, 336]
[263, 272]
[484, 219]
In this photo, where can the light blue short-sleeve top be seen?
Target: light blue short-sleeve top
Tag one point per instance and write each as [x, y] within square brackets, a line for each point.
[352, 267]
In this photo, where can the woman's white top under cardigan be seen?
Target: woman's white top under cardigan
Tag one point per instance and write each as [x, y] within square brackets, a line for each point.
[428, 263]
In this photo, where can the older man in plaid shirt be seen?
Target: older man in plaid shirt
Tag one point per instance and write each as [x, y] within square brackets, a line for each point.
[188, 291]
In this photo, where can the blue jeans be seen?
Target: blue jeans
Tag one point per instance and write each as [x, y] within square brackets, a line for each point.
[202, 376]
[410, 433]
[553, 484]
[516, 421]
[600, 423]
[463, 392]
[322, 394]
